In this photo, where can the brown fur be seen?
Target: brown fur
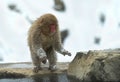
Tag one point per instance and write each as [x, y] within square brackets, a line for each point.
[40, 37]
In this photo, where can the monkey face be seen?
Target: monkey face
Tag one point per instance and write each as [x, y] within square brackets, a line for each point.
[49, 29]
[49, 24]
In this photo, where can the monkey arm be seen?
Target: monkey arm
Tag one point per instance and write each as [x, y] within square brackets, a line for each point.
[58, 45]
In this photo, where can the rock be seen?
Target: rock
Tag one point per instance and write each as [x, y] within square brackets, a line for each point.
[64, 35]
[22, 72]
[99, 65]
[24, 69]
[59, 5]
[13, 7]
[1, 58]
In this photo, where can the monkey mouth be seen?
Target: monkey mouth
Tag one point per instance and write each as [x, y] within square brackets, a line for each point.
[52, 28]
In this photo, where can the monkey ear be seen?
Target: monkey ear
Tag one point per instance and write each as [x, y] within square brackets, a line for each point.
[42, 20]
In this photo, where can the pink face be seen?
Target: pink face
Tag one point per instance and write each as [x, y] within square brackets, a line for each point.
[52, 28]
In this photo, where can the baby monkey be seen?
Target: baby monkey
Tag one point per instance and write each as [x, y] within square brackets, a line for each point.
[44, 40]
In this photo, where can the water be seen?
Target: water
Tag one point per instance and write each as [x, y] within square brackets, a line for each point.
[43, 78]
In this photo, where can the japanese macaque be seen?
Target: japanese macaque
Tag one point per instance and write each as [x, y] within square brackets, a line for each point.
[44, 40]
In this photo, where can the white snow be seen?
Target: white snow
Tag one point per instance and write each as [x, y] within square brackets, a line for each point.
[81, 19]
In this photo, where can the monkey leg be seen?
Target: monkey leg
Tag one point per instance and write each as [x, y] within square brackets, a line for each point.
[36, 62]
[51, 55]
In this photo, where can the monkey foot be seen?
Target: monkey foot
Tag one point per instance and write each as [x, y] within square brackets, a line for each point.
[53, 68]
[36, 69]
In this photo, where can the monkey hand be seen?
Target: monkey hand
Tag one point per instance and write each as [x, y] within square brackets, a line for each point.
[41, 54]
[66, 53]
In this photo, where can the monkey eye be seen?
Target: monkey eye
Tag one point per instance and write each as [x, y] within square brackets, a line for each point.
[52, 25]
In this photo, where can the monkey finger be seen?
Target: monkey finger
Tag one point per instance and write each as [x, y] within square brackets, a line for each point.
[69, 54]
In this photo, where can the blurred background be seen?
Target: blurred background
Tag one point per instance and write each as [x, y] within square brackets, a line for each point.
[91, 25]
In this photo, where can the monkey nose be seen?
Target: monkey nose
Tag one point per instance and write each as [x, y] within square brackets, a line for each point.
[52, 27]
